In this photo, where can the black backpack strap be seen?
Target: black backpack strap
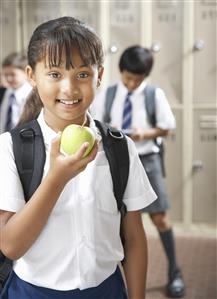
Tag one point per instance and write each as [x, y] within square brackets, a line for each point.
[29, 153]
[2, 92]
[150, 103]
[151, 109]
[109, 99]
[116, 150]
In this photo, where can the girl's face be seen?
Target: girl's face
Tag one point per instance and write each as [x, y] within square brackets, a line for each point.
[65, 94]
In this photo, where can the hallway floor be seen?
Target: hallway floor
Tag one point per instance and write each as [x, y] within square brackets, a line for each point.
[197, 257]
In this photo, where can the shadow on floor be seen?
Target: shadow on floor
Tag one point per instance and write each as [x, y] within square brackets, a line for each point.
[197, 257]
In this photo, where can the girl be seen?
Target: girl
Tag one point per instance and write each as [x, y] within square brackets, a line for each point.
[65, 242]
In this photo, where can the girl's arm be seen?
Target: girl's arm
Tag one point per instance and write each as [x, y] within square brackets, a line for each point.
[19, 231]
[135, 248]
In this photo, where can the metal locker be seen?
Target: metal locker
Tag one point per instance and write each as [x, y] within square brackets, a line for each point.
[204, 166]
[205, 59]
[34, 13]
[9, 27]
[167, 37]
[173, 165]
[124, 32]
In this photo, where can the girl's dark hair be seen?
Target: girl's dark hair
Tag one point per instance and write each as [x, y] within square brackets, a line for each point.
[50, 41]
[136, 60]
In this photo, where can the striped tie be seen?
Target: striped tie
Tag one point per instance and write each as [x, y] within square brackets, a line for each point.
[9, 123]
[127, 113]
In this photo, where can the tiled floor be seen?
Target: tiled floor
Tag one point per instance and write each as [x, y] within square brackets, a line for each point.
[198, 259]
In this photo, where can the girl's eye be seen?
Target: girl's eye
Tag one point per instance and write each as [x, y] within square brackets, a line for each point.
[54, 75]
[82, 75]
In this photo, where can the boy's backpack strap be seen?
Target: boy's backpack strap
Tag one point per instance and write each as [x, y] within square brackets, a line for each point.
[109, 99]
[29, 154]
[150, 103]
[151, 112]
[2, 92]
[116, 150]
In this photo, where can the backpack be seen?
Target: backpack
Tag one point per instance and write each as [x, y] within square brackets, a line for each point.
[149, 102]
[29, 154]
[2, 92]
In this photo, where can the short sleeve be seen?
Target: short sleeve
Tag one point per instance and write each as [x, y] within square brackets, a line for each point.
[164, 115]
[139, 193]
[11, 192]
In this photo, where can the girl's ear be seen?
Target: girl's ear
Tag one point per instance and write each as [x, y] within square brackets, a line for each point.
[30, 75]
[100, 74]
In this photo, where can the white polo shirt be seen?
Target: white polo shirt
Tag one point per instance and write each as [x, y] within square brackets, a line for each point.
[164, 116]
[80, 245]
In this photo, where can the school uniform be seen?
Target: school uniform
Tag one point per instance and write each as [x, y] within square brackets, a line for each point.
[20, 94]
[147, 149]
[79, 249]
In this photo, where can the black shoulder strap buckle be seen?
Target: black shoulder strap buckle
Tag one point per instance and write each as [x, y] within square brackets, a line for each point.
[27, 133]
[115, 133]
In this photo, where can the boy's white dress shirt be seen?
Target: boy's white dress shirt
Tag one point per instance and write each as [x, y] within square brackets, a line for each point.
[164, 116]
[80, 245]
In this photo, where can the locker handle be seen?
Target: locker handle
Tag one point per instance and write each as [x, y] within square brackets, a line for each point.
[199, 45]
[156, 47]
[113, 49]
[197, 166]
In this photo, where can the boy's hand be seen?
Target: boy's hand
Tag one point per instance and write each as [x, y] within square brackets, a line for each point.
[137, 134]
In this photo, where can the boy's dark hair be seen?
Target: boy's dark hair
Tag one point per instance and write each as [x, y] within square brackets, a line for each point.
[136, 60]
[49, 42]
[16, 60]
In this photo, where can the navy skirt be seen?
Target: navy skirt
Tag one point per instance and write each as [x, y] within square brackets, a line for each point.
[153, 168]
[112, 287]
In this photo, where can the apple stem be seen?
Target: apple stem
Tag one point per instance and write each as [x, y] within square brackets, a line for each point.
[85, 119]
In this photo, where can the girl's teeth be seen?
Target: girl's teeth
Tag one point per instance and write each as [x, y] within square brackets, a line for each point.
[69, 102]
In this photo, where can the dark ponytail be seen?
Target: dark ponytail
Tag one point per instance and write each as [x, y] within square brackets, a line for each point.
[31, 108]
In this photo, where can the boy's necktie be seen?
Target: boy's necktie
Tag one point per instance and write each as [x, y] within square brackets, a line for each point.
[127, 113]
[9, 123]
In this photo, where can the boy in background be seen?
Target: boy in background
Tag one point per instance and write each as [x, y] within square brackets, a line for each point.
[13, 98]
[128, 112]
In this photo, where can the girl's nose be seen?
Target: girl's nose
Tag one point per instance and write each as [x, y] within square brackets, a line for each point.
[69, 87]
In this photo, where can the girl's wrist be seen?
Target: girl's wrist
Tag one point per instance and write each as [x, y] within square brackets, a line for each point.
[51, 180]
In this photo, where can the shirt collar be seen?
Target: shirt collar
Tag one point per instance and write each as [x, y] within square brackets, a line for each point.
[137, 91]
[49, 134]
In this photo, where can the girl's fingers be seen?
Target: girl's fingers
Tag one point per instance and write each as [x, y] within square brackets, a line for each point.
[93, 152]
[80, 153]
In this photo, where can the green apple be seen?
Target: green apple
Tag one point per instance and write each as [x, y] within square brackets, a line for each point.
[73, 136]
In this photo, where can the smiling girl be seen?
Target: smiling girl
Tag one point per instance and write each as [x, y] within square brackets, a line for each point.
[65, 242]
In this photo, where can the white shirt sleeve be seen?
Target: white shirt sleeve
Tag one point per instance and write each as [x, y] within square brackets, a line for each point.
[11, 191]
[164, 115]
[139, 193]
[98, 105]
